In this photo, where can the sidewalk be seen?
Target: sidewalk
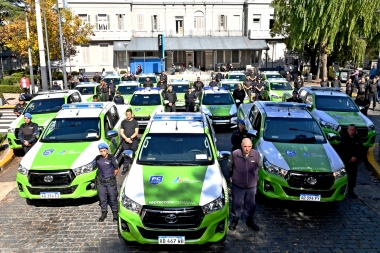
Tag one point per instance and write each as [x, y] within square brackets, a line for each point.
[11, 99]
[373, 158]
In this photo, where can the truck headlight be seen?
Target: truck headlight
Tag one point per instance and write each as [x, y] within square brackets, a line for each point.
[23, 170]
[329, 125]
[84, 169]
[371, 128]
[339, 173]
[273, 169]
[273, 95]
[214, 205]
[130, 204]
[11, 130]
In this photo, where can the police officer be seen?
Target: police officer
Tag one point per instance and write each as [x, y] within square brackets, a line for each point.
[325, 82]
[218, 76]
[288, 77]
[294, 98]
[171, 96]
[112, 87]
[259, 87]
[362, 101]
[119, 100]
[97, 78]
[244, 164]
[28, 133]
[125, 77]
[163, 77]
[148, 83]
[238, 94]
[56, 86]
[350, 149]
[129, 131]
[106, 181]
[349, 87]
[190, 98]
[248, 87]
[298, 83]
[198, 86]
[95, 98]
[336, 83]
[238, 135]
[162, 85]
[105, 91]
[19, 107]
[213, 83]
[373, 89]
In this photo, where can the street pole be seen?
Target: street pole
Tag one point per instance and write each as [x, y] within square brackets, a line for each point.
[62, 51]
[47, 48]
[41, 48]
[378, 64]
[29, 54]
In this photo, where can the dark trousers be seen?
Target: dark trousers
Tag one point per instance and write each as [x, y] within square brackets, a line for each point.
[190, 107]
[26, 148]
[26, 90]
[352, 173]
[238, 104]
[105, 97]
[258, 96]
[349, 92]
[105, 190]
[240, 195]
[372, 96]
[129, 146]
[171, 108]
[111, 96]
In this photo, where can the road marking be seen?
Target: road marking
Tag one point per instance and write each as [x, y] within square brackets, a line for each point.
[6, 187]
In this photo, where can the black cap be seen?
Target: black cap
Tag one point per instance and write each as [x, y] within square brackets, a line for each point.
[21, 99]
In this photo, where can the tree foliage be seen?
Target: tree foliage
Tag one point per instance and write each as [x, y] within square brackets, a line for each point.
[13, 33]
[9, 8]
[332, 25]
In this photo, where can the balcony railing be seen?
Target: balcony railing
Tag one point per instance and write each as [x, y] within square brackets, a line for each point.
[111, 35]
[261, 34]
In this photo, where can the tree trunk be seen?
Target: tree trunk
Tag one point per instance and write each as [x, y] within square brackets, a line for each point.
[312, 53]
[324, 60]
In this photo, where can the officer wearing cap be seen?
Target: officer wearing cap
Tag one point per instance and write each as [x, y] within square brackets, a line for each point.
[106, 92]
[190, 98]
[108, 168]
[56, 86]
[238, 135]
[28, 133]
[294, 98]
[19, 107]
[119, 100]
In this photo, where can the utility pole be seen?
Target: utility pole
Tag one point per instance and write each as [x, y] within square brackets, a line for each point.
[60, 3]
[48, 53]
[41, 48]
[29, 53]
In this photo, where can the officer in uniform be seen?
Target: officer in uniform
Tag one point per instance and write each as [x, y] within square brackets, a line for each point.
[298, 83]
[119, 100]
[336, 83]
[238, 135]
[190, 98]
[244, 164]
[362, 101]
[28, 133]
[259, 87]
[171, 96]
[213, 83]
[129, 131]
[19, 107]
[106, 181]
[95, 98]
[56, 86]
[294, 98]
[239, 94]
[325, 82]
[106, 92]
[350, 150]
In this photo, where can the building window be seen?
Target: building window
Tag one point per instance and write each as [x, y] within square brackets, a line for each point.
[235, 56]
[85, 18]
[120, 21]
[140, 22]
[179, 25]
[271, 21]
[199, 20]
[222, 22]
[104, 54]
[149, 53]
[256, 19]
[102, 22]
[155, 22]
[175, 57]
[255, 56]
[85, 53]
[219, 56]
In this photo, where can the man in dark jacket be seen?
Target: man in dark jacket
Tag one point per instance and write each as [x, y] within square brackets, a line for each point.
[238, 94]
[148, 83]
[171, 96]
[373, 88]
[244, 165]
[362, 101]
[238, 135]
[248, 87]
[336, 83]
[97, 78]
[162, 85]
[294, 98]
[198, 85]
[118, 99]
[56, 86]
[125, 77]
[325, 82]
[163, 77]
[190, 98]
[350, 150]
[298, 83]
[218, 76]
[19, 107]
[349, 87]
[28, 133]
[213, 83]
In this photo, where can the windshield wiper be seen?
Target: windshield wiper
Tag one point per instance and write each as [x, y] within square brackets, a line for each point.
[296, 129]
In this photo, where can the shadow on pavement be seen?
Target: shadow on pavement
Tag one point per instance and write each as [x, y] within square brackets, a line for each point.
[61, 202]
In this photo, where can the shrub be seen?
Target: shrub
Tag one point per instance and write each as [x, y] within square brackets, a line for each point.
[58, 76]
[74, 73]
[9, 89]
[122, 72]
[18, 74]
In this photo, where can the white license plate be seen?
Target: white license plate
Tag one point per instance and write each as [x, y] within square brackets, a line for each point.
[50, 195]
[171, 240]
[310, 197]
[220, 121]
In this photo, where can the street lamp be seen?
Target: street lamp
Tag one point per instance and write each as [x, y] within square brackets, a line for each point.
[29, 52]
[60, 5]
[126, 56]
[47, 47]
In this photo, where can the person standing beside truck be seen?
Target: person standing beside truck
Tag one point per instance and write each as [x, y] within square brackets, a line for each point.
[28, 133]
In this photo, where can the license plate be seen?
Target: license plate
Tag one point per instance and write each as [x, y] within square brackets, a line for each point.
[50, 195]
[220, 121]
[310, 197]
[171, 240]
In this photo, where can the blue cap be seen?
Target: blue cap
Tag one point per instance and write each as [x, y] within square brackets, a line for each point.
[28, 115]
[102, 146]
[240, 121]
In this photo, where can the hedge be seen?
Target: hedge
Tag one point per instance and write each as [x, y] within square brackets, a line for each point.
[9, 89]
[10, 80]
[122, 72]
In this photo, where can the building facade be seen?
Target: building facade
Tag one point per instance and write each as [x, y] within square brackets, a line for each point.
[203, 33]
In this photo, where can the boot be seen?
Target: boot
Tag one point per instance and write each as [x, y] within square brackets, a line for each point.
[251, 224]
[234, 223]
[103, 216]
[351, 193]
[115, 216]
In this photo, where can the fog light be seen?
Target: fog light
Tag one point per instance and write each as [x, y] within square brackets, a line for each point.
[268, 186]
[220, 227]
[343, 190]
[20, 187]
[124, 226]
[91, 186]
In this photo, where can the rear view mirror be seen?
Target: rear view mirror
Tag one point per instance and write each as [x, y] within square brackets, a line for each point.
[237, 100]
[252, 133]
[111, 134]
[331, 136]
[223, 155]
[361, 108]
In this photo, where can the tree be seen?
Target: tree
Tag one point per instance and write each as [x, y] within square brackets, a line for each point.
[8, 8]
[13, 35]
[330, 25]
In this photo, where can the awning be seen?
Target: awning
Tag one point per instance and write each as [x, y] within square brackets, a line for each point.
[198, 43]
[120, 45]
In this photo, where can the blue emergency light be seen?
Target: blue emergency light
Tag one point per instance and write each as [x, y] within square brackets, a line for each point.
[285, 104]
[82, 106]
[181, 117]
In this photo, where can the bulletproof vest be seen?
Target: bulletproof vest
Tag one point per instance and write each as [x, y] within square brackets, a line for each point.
[105, 167]
[27, 131]
[361, 87]
[373, 87]
[105, 88]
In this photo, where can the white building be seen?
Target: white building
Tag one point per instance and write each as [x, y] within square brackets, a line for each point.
[204, 33]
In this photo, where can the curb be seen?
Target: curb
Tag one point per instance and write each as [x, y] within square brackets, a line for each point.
[7, 107]
[373, 165]
[7, 159]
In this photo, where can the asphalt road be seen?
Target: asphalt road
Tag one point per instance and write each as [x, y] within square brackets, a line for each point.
[71, 226]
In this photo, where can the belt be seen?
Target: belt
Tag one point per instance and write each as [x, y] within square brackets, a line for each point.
[106, 180]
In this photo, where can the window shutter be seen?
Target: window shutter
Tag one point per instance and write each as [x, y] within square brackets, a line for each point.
[220, 22]
[108, 22]
[225, 22]
[88, 19]
[158, 23]
[97, 27]
[152, 20]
